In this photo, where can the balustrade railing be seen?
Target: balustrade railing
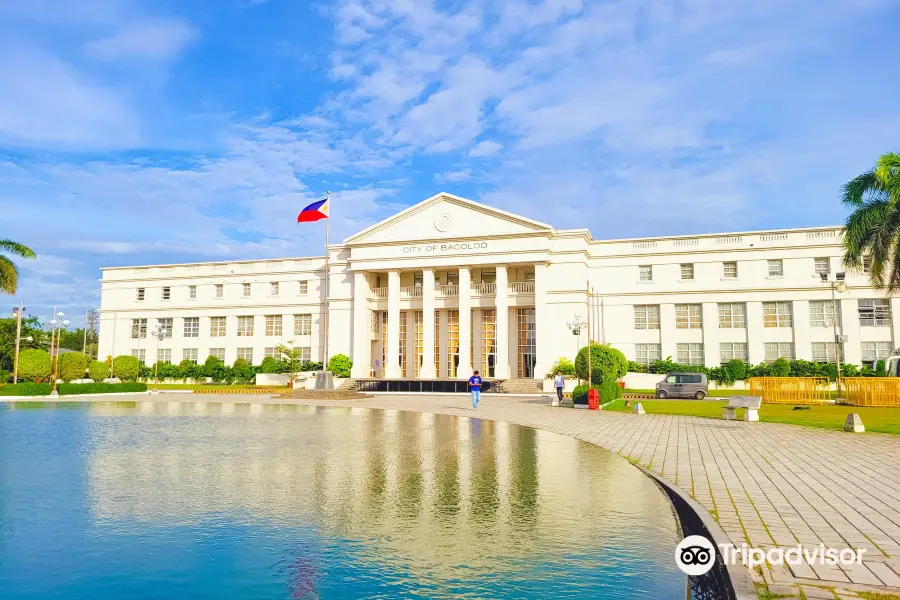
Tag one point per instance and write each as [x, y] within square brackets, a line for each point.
[521, 287]
[484, 289]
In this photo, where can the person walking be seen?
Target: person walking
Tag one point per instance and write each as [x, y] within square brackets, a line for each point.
[475, 388]
[560, 382]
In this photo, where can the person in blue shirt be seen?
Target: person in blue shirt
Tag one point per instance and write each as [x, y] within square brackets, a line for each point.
[475, 387]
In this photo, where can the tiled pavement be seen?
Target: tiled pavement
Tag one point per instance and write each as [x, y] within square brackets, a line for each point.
[766, 484]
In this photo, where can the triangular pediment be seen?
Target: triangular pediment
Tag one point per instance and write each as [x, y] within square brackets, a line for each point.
[445, 216]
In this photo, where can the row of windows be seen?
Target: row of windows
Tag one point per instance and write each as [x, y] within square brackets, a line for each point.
[219, 290]
[218, 326]
[775, 268]
[872, 313]
[164, 355]
[692, 354]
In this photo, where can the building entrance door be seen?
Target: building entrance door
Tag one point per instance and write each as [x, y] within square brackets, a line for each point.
[527, 342]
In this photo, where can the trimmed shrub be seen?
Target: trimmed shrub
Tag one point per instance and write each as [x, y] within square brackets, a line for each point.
[340, 365]
[72, 365]
[34, 365]
[635, 367]
[69, 389]
[25, 389]
[215, 368]
[5, 375]
[779, 368]
[735, 370]
[311, 366]
[242, 370]
[99, 371]
[563, 364]
[669, 366]
[880, 369]
[190, 369]
[126, 368]
[609, 391]
[580, 392]
[848, 370]
[607, 363]
[268, 365]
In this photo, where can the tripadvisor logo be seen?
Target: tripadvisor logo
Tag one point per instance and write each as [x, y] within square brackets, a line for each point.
[695, 555]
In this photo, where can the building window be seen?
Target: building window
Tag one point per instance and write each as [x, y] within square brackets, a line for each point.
[138, 328]
[822, 266]
[141, 355]
[875, 351]
[165, 326]
[729, 270]
[732, 351]
[246, 354]
[245, 326]
[273, 288]
[732, 315]
[822, 313]
[217, 327]
[525, 318]
[191, 327]
[246, 290]
[166, 293]
[776, 350]
[824, 352]
[689, 354]
[192, 292]
[646, 272]
[688, 316]
[305, 353]
[164, 355]
[687, 271]
[303, 288]
[777, 314]
[189, 354]
[273, 325]
[302, 324]
[776, 268]
[488, 341]
[140, 294]
[875, 312]
[403, 352]
[271, 353]
[866, 264]
[646, 316]
[418, 333]
[217, 353]
[220, 290]
[647, 353]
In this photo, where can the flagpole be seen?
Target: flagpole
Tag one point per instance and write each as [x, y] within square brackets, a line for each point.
[327, 282]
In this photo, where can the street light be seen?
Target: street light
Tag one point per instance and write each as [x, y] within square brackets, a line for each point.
[17, 314]
[838, 285]
[575, 326]
[159, 333]
[57, 324]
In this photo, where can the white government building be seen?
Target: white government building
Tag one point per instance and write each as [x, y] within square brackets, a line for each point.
[450, 285]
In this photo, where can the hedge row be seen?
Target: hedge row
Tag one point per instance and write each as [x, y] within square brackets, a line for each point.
[609, 391]
[736, 370]
[70, 389]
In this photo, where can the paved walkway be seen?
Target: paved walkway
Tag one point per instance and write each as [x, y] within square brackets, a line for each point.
[766, 484]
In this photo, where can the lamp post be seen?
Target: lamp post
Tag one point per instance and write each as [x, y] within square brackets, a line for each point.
[17, 314]
[159, 333]
[838, 285]
[57, 324]
[575, 326]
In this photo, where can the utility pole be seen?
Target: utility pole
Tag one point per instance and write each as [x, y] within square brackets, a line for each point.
[17, 313]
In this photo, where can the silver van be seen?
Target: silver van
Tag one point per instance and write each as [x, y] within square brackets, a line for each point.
[683, 385]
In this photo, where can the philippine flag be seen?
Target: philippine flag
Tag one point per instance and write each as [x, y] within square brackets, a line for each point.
[314, 212]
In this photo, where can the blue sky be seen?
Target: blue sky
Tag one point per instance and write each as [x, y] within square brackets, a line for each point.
[150, 132]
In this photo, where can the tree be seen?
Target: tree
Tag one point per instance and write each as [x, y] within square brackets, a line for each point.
[98, 371]
[607, 363]
[340, 365]
[31, 328]
[215, 369]
[292, 357]
[72, 365]
[872, 231]
[126, 368]
[75, 340]
[564, 365]
[242, 370]
[268, 365]
[9, 273]
[34, 365]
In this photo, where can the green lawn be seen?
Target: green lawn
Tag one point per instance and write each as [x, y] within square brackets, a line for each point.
[829, 416]
[208, 386]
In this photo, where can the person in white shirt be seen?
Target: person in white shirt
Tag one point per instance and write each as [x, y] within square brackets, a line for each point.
[560, 384]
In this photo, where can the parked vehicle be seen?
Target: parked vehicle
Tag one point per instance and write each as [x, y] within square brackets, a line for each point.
[18, 380]
[892, 366]
[683, 385]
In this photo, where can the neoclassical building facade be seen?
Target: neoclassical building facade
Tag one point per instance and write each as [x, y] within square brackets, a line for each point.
[450, 285]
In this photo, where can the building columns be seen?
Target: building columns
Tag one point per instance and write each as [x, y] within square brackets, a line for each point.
[392, 356]
[428, 359]
[362, 326]
[465, 323]
[502, 327]
[543, 347]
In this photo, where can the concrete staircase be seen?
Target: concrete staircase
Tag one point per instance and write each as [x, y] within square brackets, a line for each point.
[521, 386]
[347, 386]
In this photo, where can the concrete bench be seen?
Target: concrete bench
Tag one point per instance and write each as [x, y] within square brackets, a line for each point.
[750, 404]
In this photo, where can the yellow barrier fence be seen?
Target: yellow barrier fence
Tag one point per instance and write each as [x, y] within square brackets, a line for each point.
[872, 391]
[790, 390]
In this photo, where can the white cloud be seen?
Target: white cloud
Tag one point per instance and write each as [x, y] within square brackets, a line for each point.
[453, 176]
[485, 148]
[152, 40]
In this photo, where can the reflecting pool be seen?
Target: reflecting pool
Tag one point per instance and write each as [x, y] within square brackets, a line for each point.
[222, 500]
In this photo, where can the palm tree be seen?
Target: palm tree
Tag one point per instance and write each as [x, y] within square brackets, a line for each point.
[9, 274]
[873, 229]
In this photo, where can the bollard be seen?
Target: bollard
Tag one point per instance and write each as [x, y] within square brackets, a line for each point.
[639, 408]
[854, 424]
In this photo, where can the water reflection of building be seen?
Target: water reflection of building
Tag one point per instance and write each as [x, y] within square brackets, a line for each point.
[431, 490]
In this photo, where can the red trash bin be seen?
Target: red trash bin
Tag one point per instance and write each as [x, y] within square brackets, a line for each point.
[593, 399]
